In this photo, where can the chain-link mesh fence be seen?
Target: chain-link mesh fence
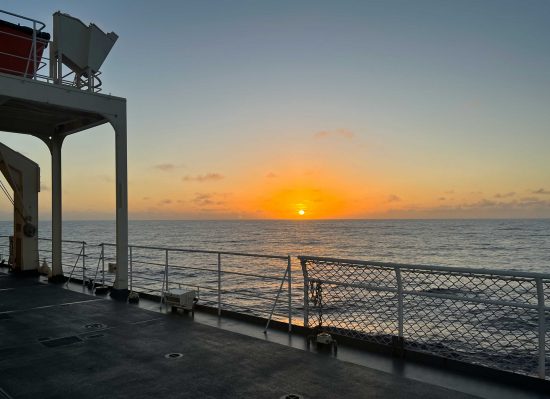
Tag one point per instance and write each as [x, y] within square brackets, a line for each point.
[490, 318]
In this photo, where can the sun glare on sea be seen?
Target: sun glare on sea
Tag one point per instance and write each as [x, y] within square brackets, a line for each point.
[301, 212]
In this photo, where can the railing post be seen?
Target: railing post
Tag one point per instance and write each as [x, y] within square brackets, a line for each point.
[83, 263]
[103, 265]
[131, 269]
[542, 328]
[219, 284]
[166, 270]
[306, 291]
[35, 66]
[399, 302]
[289, 266]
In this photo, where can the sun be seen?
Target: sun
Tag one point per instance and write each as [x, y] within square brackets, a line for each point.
[301, 212]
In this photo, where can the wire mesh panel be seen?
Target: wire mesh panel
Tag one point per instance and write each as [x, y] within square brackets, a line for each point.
[490, 318]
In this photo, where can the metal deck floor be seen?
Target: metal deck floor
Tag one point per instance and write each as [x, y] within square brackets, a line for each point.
[117, 350]
[57, 343]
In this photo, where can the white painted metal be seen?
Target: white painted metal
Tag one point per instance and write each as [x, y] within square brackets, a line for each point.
[55, 149]
[23, 175]
[64, 109]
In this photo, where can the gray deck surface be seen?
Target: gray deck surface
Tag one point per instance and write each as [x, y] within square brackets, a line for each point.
[115, 350]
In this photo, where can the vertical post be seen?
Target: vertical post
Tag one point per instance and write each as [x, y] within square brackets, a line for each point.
[219, 284]
[542, 328]
[131, 269]
[289, 268]
[35, 70]
[55, 149]
[120, 286]
[399, 302]
[306, 291]
[83, 263]
[166, 269]
[102, 265]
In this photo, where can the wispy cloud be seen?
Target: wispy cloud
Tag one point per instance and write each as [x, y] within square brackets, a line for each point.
[210, 199]
[505, 195]
[165, 202]
[204, 178]
[541, 191]
[167, 167]
[393, 198]
[342, 133]
[271, 175]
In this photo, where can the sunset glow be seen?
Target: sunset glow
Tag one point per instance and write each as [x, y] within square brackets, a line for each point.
[261, 112]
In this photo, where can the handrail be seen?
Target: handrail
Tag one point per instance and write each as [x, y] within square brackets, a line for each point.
[451, 269]
[201, 251]
[26, 18]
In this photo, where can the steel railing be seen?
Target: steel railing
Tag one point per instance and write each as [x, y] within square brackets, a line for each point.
[222, 278]
[51, 63]
[493, 318]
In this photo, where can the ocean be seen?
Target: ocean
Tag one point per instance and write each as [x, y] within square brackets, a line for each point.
[497, 244]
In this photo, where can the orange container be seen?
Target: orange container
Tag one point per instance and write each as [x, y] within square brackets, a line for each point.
[16, 52]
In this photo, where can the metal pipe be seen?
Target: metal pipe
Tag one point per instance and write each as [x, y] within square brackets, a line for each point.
[451, 269]
[219, 284]
[289, 267]
[306, 292]
[276, 300]
[83, 262]
[542, 328]
[131, 269]
[399, 302]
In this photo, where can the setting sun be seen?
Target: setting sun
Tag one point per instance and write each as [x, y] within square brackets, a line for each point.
[301, 212]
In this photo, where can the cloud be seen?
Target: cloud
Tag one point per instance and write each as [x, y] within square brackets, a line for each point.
[204, 178]
[541, 191]
[505, 195]
[271, 175]
[165, 167]
[441, 199]
[393, 198]
[165, 202]
[209, 199]
[44, 187]
[343, 133]
[449, 192]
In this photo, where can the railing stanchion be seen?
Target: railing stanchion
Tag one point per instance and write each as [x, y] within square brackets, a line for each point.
[131, 269]
[306, 292]
[103, 265]
[289, 266]
[542, 328]
[166, 269]
[399, 302]
[83, 264]
[219, 284]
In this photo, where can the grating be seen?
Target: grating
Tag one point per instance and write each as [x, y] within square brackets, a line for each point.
[54, 343]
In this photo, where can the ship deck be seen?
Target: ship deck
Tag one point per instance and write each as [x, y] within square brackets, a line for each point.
[57, 343]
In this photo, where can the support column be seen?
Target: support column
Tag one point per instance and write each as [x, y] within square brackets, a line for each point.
[55, 149]
[120, 286]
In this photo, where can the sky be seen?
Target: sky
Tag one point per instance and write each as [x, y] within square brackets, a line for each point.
[340, 109]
